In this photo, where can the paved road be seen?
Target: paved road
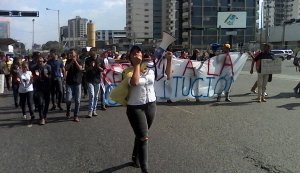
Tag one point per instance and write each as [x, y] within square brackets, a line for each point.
[186, 137]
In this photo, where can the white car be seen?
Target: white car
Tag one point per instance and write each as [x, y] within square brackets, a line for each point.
[283, 53]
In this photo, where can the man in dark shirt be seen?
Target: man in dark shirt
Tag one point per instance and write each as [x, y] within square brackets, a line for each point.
[42, 76]
[93, 67]
[262, 79]
[73, 82]
[58, 71]
[84, 55]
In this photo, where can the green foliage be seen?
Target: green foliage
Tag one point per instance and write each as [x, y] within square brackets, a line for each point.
[52, 45]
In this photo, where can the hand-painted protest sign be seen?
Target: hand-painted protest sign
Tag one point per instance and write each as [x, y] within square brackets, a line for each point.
[190, 79]
[269, 66]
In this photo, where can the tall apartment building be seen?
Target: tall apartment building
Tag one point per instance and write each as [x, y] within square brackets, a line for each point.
[268, 12]
[275, 12]
[4, 28]
[157, 19]
[169, 20]
[139, 20]
[199, 22]
[110, 36]
[283, 11]
[77, 32]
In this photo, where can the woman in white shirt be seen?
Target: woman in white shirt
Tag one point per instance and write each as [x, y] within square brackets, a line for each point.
[141, 105]
[26, 90]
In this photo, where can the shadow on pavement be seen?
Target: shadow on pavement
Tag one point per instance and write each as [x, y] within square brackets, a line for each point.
[10, 123]
[242, 95]
[185, 103]
[283, 95]
[113, 169]
[231, 103]
[289, 106]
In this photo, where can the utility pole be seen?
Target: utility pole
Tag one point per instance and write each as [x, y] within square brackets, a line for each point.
[267, 21]
[190, 26]
[33, 34]
[261, 21]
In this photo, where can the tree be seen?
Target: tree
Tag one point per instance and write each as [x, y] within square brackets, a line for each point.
[52, 45]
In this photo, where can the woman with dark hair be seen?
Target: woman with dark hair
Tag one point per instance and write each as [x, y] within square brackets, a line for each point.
[141, 105]
[26, 90]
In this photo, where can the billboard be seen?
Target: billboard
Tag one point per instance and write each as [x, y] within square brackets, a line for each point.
[232, 19]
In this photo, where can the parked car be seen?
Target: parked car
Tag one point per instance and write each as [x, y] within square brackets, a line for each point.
[283, 54]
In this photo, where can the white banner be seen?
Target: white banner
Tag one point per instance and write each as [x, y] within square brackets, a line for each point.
[190, 79]
[2, 78]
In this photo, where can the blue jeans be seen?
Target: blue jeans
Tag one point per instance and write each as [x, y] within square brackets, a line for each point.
[93, 89]
[73, 91]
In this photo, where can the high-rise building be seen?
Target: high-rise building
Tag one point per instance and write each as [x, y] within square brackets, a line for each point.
[199, 22]
[110, 36]
[157, 19]
[4, 28]
[139, 20]
[169, 20]
[77, 32]
[283, 11]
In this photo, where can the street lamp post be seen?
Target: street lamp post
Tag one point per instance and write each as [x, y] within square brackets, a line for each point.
[58, 25]
[33, 34]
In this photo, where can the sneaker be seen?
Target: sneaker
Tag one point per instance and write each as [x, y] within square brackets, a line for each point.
[254, 92]
[103, 107]
[76, 119]
[218, 98]
[228, 100]
[53, 108]
[90, 114]
[135, 162]
[265, 94]
[24, 117]
[95, 113]
[42, 122]
[31, 119]
[68, 114]
[60, 108]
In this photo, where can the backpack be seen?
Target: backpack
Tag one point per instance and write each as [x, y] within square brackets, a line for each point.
[296, 61]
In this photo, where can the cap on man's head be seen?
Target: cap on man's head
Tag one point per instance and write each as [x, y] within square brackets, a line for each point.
[135, 47]
[227, 46]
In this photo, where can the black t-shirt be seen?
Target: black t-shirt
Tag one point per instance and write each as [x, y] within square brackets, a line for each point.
[259, 57]
[42, 76]
[74, 75]
[93, 74]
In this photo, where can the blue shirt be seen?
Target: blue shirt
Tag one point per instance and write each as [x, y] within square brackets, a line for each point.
[56, 66]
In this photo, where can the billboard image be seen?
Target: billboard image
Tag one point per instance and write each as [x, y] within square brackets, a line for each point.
[232, 19]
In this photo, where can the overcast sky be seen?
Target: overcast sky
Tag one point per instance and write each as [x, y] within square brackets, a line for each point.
[105, 14]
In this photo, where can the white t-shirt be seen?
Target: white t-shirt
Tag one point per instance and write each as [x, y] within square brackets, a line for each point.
[144, 92]
[25, 85]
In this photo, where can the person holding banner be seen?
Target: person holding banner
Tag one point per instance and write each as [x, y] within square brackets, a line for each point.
[226, 50]
[141, 105]
[262, 79]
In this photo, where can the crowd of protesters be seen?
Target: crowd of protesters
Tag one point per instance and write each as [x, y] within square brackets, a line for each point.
[40, 79]
[44, 79]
